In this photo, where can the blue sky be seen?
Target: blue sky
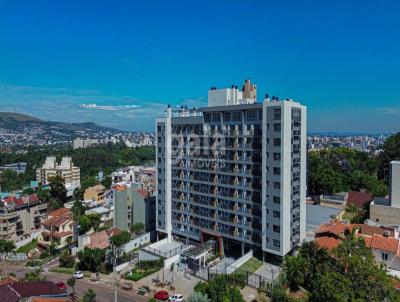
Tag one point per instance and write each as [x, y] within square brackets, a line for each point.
[118, 63]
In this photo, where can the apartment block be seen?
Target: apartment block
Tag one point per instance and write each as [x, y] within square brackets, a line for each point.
[133, 204]
[20, 216]
[234, 171]
[66, 169]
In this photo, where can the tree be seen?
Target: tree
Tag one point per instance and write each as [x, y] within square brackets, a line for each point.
[92, 260]
[34, 276]
[220, 289]
[71, 283]
[137, 228]
[78, 209]
[89, 296]
[86, 222]
[6, 246]
[78, 194]
[106, 182]
[198, 297]
[293, 267]
[66, 260]
[120, 239]
[391, 151]
[58, 191]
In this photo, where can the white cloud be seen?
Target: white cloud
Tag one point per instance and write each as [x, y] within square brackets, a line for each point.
[109, 107]
[390, 110]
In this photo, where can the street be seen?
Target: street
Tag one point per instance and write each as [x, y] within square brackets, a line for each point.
[104, 291]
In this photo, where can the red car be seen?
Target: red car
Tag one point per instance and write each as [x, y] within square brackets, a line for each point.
[161, 295]
[62, 286]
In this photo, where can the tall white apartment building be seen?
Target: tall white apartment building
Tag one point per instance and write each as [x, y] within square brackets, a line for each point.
[234, 171]
[66, 169]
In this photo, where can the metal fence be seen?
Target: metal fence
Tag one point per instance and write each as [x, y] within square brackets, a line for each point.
[13, 256]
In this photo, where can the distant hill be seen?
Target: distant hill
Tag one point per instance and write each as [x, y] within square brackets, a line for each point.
[16, 121]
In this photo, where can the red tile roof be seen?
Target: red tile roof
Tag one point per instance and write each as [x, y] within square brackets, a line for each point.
[59, 212]
[370, 230]
[50, 299]
[328, 243]
[333, 227]
[8, 280]
[99, 240]
[113, 231]
[359, 199]
[8, 295]
[388, 244]
[19, 202]
[56, 221]
[37, 288]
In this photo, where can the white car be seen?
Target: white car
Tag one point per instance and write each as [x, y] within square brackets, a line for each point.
[176, 298]
[78, 275]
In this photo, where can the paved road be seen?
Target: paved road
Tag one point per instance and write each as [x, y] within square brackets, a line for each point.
[104, 291]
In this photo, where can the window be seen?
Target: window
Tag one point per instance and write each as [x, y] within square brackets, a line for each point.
[277, 142]
[276, 199]
[276, 214]
[207, 117]
[276, 228]
[227, 116]
[276, 243]
[251, 116]
[277, 171]
[384, 256]
[277, 127]
[236, 116]
[277, 156]
[216, 117]
[277, 113]
[276, 185]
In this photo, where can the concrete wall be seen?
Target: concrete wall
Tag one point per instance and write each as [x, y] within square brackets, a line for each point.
[137, 242]
[395, 184]
[239, 262]
[385, 215]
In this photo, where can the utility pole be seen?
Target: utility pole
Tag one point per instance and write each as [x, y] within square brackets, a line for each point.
[115, 275]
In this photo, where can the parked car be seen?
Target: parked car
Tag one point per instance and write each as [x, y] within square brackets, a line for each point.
[62, 286]
[78, 275]
[142, 291]
[127, 286]
[176, 298]
[161, 295]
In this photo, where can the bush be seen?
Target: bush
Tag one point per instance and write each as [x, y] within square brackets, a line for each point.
[151, 264]
[67, 260]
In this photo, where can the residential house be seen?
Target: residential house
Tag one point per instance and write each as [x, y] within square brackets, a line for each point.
[101, 240]
[58, 228]
[26, 291]
[383, 241]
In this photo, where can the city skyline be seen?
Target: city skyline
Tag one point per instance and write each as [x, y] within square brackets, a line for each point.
[120, 65]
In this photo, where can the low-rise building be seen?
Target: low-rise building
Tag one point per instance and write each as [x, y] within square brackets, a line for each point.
[383, 241]
[104, 213]
[32, 291]
[20, 216]
[146, 176]
[95, 193]
[58, 228]
[386, 211]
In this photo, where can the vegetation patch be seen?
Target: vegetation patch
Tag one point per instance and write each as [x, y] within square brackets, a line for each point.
[250, 265]
[28, 247]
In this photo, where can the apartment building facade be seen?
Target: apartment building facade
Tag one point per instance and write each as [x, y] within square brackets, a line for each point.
[235, 171]
[134, 204]
[20, 216]
[66, 169]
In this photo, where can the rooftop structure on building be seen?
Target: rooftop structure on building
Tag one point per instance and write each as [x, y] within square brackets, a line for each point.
[234, 171]
[386, 211]
[144, 175]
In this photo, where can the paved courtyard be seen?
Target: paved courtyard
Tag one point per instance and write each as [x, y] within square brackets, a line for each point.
[268, 271]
